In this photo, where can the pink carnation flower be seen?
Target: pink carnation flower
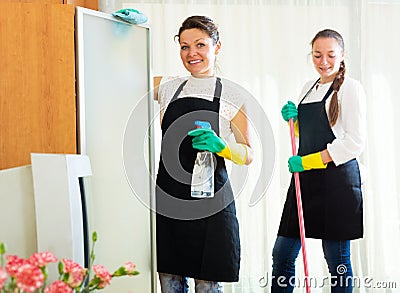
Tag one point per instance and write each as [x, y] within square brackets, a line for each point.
[29, 278]
[13, 264]
[129, 267]
[3, 278]
[42, 259]
[75, 273]
[58, 287]
[102, 273]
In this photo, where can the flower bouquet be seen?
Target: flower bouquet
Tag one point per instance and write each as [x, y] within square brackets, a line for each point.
[19, 275]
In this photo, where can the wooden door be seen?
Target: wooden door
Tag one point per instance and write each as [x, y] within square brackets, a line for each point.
[37, 81]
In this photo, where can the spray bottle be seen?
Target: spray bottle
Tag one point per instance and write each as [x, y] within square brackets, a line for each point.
[203, 170]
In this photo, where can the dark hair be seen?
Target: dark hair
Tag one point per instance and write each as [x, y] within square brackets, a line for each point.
[203, 23]
[339, 78]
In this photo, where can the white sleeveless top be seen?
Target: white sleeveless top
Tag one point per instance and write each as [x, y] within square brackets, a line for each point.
[233, 96]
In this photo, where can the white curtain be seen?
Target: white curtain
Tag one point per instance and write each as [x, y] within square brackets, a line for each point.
[266, 46]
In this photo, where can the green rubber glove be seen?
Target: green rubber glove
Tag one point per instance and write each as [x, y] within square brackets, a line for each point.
[206, 140]
[308, 162]
[288, 111]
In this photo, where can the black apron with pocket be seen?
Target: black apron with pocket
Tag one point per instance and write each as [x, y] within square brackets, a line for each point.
[196, 238]
[331, 197]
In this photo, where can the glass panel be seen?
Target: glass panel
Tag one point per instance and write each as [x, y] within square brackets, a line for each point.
[113, 90]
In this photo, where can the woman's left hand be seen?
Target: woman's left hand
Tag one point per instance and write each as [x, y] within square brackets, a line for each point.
[308, 162]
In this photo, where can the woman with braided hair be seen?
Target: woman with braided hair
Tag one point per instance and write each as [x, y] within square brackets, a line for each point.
[331, 126]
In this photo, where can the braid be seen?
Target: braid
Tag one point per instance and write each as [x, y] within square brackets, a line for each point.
[334, 104]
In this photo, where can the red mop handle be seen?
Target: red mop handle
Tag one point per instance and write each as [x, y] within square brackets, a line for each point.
[300, 209]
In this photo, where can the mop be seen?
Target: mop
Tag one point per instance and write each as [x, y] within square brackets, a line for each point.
[300, 209]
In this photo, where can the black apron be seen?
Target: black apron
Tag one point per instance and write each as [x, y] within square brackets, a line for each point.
[196, 238]
[331, 197]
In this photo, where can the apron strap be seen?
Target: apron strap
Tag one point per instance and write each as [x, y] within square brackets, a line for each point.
[309, 91]
[178, 91]
[328, 93]
[218, 89]
[217, 92]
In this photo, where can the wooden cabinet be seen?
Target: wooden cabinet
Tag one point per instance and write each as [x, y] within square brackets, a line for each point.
[33, 1]
[91, 4]
[37, 81]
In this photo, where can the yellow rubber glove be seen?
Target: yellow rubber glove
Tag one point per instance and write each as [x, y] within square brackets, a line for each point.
[236, 152]
[308, 162]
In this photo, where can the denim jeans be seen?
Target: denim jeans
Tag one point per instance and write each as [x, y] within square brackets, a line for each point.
[337, 256]
[180, 284]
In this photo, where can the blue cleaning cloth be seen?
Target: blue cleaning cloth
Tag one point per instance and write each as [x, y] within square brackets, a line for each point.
[131, 15]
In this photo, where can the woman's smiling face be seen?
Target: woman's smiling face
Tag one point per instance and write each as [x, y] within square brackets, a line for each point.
[327, 55]
[198, 52]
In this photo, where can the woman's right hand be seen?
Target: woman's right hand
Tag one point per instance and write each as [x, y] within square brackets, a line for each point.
[288, 111]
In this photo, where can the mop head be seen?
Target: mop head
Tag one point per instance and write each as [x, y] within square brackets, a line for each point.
[131, 16]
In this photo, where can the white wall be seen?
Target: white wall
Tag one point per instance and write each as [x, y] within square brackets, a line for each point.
[17, 211]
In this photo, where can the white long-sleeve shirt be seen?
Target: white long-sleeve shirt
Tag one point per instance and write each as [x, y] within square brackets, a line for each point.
[350, 128]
